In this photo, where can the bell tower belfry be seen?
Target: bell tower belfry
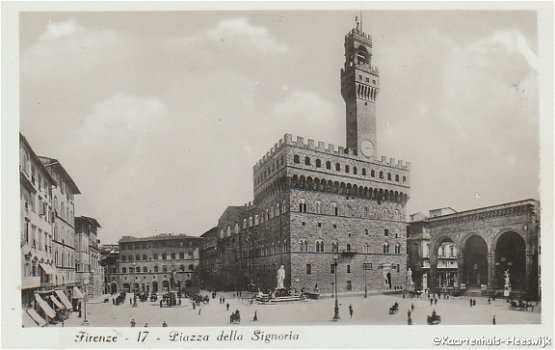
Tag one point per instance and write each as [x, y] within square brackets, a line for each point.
[360, 88]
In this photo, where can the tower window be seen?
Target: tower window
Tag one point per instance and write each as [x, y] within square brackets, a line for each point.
[337, 167]
[308, 269]
[328, 165]
[389, 176]
[296, 159]
[360, 76]
[381, 174]
[348, 268]
[347, 169]
[373, 82]
[307, 161]
[372, 173]
[367, 80]
[404, 179]
[386, 232]
[355, 170]
[318, 163]
[397, 178]
[363, 172]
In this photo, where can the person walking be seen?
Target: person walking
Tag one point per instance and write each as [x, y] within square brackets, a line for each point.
[494, 321]
[227, 307]
[412, 307]
[473, 302]
[130, 301]
[435, 301]
[164, 324]
[351, 310]
[431, 302]
[133, 323]
[255, 318]
[199, 310]
[409, 313]
[470, 302]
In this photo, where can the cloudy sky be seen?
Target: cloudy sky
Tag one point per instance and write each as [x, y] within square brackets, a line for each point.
[159, 117]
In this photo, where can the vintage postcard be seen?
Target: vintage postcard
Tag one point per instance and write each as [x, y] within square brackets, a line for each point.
[298, 175]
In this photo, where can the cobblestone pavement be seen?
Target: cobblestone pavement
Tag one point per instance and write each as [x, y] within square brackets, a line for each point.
[372, 310]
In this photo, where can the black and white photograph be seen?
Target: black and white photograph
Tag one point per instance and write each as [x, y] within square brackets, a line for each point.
[246, 175]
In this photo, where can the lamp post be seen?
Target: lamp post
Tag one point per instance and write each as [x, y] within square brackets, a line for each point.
[336, 307]
[365, 283]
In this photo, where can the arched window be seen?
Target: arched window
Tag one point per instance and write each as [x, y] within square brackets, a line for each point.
[172, 256]
[302, 206]
[164, 256]
[347, 169]
[124, 270]
[381, 174]
[250, 221]
[164, 268]
[348, 247]
[386, 248]
[361, 55]
[319, 246]
[389, 176]
[363, 171]
[372, 173]
[334, 247]
[296, 159]
[328, 165]
[144, 256]
[318, 163]
[307, 161]
[337, 166]
[318, 207]
[303, 245]
[308, 269]
[256, 220]
[228, 231]
[144, 269]
[131, 270]
[155, 256]
[348, 268]
[334, 209]
[404, 179]
[244, 223]
[397, 248]
[397, 177]
[155, 268]
[366, 248]
[236, 228]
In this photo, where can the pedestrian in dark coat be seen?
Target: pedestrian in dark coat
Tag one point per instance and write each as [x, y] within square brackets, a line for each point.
[351, 310]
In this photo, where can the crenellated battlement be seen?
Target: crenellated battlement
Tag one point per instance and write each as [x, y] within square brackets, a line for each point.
[330, 149]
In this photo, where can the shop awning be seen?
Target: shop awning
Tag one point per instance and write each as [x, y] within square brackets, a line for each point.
[36, 317]
[47, 268]
[45, 307]
[77, 294]
[57, 302]
[63, 297]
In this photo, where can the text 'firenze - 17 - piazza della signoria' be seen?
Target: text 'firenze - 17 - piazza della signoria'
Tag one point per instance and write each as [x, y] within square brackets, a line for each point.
[326, 232]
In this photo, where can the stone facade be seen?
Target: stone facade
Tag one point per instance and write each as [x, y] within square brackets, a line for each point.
[487, 242]
[158, 263]
[37, 258]
[315, 204]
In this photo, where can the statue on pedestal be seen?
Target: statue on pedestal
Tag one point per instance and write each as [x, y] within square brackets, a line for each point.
[280, 277]
[507, 286]
[410, 282]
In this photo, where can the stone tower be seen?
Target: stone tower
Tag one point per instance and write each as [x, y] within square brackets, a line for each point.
[359, 88]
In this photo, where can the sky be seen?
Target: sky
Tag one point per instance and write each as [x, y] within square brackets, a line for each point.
[159, 117]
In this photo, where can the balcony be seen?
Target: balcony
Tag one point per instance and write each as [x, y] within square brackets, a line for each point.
[30, 282]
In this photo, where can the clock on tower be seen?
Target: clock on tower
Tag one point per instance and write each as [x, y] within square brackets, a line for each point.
[360, 88]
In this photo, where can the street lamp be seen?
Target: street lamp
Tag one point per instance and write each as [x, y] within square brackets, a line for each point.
[336, 308]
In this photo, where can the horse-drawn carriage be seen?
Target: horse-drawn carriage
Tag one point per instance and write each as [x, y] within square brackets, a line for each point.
[235, 317]
[394, 309]
[434, 319]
